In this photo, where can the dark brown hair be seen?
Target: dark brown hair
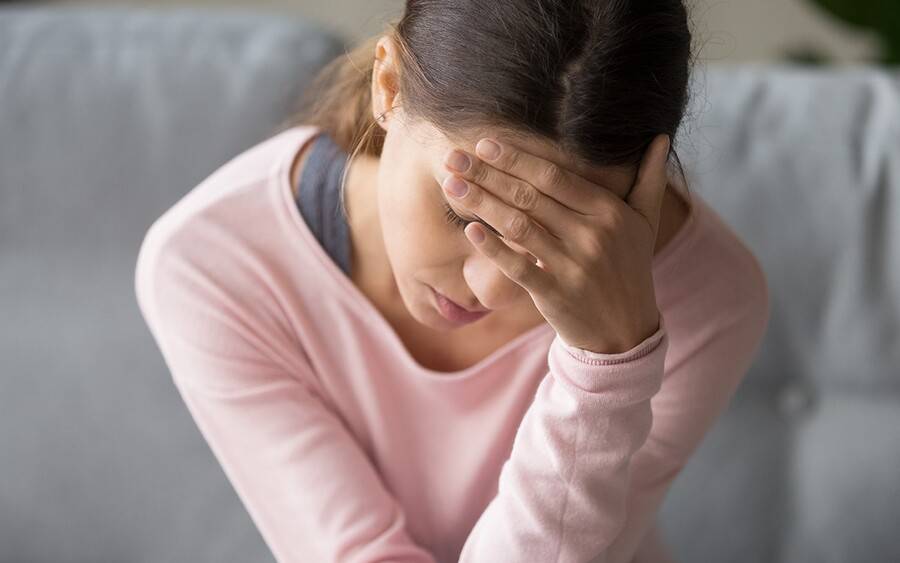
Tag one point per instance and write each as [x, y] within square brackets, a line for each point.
[600, 78]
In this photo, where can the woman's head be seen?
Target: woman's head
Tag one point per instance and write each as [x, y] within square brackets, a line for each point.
[586, 84]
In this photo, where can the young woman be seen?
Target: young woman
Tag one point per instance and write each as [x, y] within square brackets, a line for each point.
[390, 372]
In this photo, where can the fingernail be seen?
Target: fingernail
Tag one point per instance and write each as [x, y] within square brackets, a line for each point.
[455, 186]
[488, 149]
[476, 235]
[458, 161]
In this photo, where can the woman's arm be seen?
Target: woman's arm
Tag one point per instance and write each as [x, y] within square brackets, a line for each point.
[563, 491]
[307, 485]
[594, 456]
[696, 389]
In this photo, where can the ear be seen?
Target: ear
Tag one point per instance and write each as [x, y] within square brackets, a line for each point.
[385, 83]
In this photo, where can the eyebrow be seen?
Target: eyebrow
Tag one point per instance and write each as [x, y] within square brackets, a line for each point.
[476, 220]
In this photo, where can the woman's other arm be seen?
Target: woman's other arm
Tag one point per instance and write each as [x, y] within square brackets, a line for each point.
[307, 485]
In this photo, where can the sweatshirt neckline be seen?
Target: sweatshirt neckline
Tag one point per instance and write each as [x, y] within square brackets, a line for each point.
[280, 182]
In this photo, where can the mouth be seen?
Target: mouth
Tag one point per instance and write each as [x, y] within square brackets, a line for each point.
[453, 311]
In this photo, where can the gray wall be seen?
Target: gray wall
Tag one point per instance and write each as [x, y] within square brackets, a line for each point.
[725, 30]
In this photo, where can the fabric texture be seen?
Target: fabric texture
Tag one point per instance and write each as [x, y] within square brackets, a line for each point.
[342, 447]
[319, 200]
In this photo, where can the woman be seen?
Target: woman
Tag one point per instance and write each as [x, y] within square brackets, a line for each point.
[389, 372]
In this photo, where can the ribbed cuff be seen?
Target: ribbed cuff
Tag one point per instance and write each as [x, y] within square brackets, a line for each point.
[623, 377]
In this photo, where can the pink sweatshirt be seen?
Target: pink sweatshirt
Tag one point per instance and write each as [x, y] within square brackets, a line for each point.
[343, 448]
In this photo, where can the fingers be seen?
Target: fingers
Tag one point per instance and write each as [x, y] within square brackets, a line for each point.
[514, 225]
[517, 193]
[646, 196]
[520, 268]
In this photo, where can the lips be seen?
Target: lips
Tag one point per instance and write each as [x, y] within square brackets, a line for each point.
[453, 312]
[478, 310]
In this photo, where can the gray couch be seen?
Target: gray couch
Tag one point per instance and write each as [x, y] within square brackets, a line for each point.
[107, 117]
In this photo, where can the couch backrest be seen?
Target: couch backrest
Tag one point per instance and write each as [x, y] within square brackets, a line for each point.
[804, 163]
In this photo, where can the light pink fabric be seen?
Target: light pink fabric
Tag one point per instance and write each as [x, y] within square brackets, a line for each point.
[343, 448]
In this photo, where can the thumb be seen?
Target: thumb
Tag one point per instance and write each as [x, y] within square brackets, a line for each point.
[646, 195]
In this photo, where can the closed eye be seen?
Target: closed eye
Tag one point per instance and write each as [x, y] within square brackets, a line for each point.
[455, 219]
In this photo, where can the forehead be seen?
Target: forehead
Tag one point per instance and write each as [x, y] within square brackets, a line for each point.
[439, 143]
[434, 139]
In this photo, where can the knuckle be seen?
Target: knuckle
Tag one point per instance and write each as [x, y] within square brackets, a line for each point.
[519, 227]
[480, 174]
[524, 196]
[551, 176]
[510, 160]
[581, 281]
[473, 198]
[596, 244]
[596, 239]
[615, 221]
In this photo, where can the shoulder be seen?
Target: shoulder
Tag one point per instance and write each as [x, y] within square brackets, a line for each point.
[225, 231]
[715, 275]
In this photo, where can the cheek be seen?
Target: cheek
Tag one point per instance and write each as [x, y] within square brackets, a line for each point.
[412, 220]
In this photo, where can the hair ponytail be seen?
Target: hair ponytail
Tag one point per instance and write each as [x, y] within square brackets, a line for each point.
[339, 101]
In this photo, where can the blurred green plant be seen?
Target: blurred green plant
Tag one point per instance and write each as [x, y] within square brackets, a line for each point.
[807, 55]
[879, 16]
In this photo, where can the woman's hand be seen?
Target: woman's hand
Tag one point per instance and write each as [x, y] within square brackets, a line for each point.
[593, 277]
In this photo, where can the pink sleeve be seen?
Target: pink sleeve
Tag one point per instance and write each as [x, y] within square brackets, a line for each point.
[306, 484]
[591, 461]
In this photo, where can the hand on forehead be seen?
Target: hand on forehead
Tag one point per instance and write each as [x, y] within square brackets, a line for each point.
[617, 179]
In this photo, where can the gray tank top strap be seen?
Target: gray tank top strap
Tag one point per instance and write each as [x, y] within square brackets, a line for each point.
[319, 201]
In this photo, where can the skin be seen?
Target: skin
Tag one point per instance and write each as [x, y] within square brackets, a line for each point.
[401, 240]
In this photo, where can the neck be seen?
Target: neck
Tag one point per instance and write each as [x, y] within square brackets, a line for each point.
[370, 267]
